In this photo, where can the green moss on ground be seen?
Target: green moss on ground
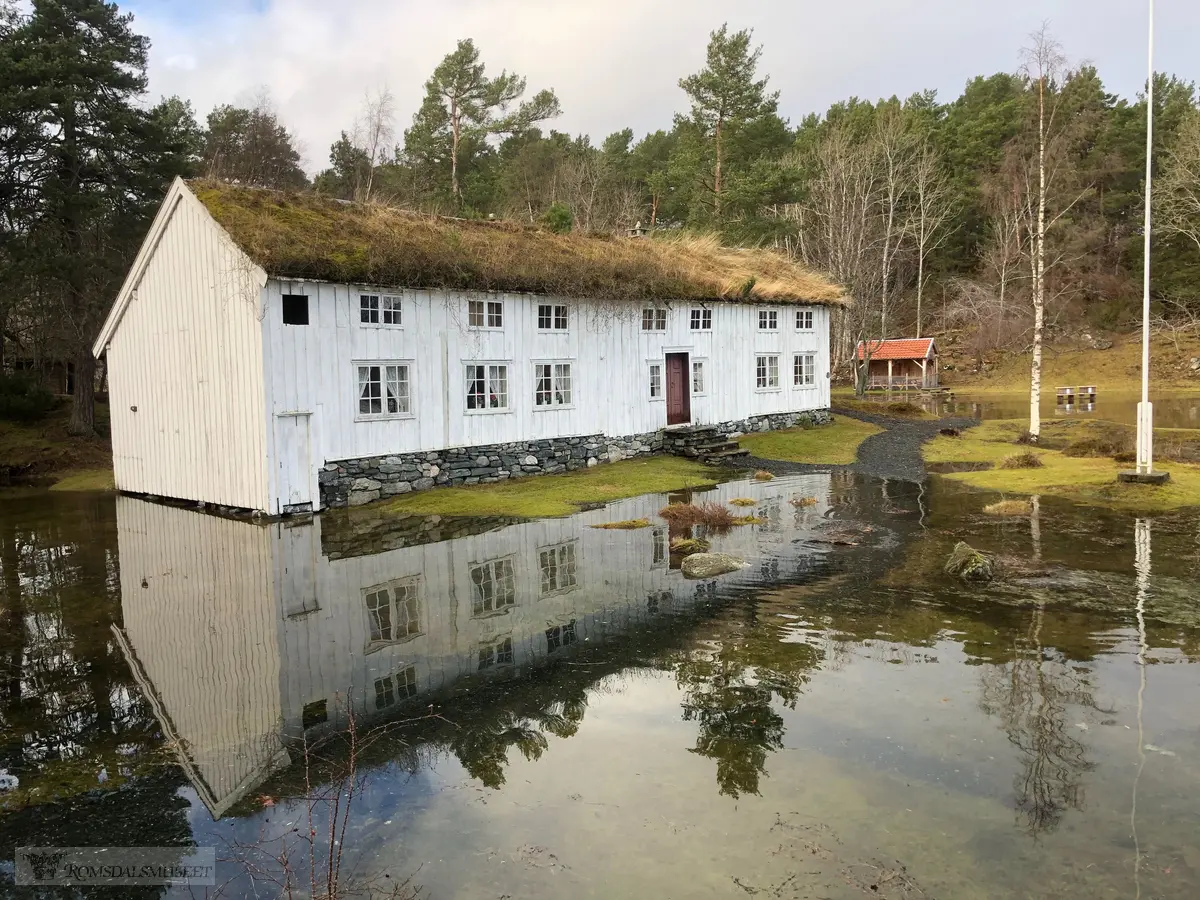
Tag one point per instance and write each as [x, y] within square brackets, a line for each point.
[1086, 480]
[87, 480]
[554, 495]
[45, 449]
[835, 444]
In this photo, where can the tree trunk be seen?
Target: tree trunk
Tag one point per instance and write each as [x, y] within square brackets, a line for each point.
[83, 401]
[1039, 286]
[920, 286]
[717, 174]
[454, 134]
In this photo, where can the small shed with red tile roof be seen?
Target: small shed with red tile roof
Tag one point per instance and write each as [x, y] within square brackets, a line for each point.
[903, 363]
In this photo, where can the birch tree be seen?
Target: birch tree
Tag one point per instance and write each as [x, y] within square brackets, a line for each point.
[725, 94]
[374, 134]
[1177, 198]
[1045, 64]
[932, 207]
[895, 158]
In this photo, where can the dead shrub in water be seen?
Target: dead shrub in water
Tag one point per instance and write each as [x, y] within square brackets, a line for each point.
[904, 408]
[762, 475]
[749, 520]
[743, 501]
[1026, 460]
[1009, 508]
[800, 502]
[711, 515]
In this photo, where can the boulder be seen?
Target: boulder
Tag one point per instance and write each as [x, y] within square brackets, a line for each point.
[1194, 365]
[970, 564]
[710, 565]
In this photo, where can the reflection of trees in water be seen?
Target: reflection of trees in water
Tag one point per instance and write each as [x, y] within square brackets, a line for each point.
[729, 692]
[483, 746]
[1032, 694]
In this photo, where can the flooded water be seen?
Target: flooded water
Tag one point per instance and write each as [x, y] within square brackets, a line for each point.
[492, 708]
[1170, 411]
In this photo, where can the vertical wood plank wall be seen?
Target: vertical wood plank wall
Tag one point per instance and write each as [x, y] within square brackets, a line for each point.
[311, 368]
[188, 355]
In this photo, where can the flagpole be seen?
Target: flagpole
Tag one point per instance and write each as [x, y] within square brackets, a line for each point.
[1145, 412]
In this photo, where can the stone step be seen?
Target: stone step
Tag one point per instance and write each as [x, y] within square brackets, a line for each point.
[725, 455]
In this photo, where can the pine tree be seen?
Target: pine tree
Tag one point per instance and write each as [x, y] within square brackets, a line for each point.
[463, 106]
[725, 94]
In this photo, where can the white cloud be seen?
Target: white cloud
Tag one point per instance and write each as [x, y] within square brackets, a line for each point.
[617, 62]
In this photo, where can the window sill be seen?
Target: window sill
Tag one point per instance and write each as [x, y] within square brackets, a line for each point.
[553, 330]
[485, 328]
[768, 390]
[558, 593]
[488, 412]
[553, 407]
[493, 613]
[700, 394]
[398, 417]
[654, 331]
[804, 387]
[658, 399]
[380, 326]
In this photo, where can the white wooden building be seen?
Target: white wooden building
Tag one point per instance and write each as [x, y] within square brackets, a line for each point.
[245, 638]
[284, 352]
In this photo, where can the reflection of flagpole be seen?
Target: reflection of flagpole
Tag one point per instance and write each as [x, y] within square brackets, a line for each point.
[1141, 543]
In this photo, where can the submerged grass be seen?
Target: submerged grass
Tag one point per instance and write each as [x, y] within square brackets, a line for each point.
[835, 444]
[687, 546]
[627, 525]
[88, 480]
[743, 501]
[1086, 480]
[897, 409]
[553, 495]
[1009, 508]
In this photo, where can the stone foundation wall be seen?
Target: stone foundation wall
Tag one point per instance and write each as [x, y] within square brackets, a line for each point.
[354, 482]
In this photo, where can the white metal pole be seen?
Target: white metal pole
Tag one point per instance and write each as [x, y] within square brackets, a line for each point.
[1145, 440]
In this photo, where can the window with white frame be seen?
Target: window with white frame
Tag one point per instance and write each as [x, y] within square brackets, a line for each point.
[768, 319]
[384, 389]
[493, 587]
[375, 309]
[701, 320]
[654, 319]
[551, 384]
[485, 313]
[552, 317]
[698, 382]
[560, 636]
[656, 385]
[499, 653]
[804, 320]
[393, 611]
[398, 686]
[804, 370]
[766, 372]
[558, 570]
[487, 386]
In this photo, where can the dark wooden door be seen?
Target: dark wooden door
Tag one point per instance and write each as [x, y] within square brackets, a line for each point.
[679, 397]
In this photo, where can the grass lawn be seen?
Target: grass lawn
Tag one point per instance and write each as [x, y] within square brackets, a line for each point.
[835, 444]
[1088, 481]
[553, 495]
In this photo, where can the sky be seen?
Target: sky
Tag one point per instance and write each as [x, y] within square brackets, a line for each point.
[617, 63]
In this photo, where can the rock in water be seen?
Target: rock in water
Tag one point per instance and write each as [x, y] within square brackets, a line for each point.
[710, 565]
[969, 564]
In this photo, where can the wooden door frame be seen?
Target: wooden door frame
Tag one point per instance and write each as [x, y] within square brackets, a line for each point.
[685, 375]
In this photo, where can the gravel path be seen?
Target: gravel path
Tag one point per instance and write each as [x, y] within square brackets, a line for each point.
[895, 453]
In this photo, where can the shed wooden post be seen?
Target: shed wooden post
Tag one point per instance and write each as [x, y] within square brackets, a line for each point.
[889, 374]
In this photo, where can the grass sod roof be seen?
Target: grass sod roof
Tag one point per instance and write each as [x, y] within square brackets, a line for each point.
[308, 236]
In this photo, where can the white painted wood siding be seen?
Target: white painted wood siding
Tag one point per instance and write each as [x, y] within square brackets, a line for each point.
[188, 355]
[311, 368]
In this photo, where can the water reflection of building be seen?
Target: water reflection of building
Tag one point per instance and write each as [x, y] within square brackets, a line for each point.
[245, 636]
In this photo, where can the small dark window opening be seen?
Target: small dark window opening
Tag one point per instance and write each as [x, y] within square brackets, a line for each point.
[314, 713]
[295, 309]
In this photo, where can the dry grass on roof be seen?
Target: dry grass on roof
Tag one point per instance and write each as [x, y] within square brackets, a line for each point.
[304, 235]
